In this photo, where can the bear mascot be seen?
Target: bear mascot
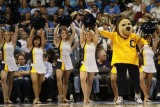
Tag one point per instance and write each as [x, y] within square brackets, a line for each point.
[125, 56]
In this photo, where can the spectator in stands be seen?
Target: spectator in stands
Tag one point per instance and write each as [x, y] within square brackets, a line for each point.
[49, 24]
[61, 11]
[80, 5]
[68, 9]
[25, 21]
[129, 12]
[55, 16]
[77, 21]
[156, 10]
[8, 10]
[52, 9]
[23, 40]
[102, 63]
[47, 45]
[43, 11]
[22, 79]
[48, 79]
[137, 6]
[95, 10]
[150, 6]
[2, 6]
[24, 8]
[38, 5]
[113, 8]
[89, 4]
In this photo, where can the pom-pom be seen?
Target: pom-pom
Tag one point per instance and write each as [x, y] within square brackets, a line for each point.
[64, 20]
[148, 28]
[89, 20]
[15, 16]
[38, 22]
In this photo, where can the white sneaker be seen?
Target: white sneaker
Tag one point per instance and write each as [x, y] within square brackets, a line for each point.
[71, 98]
[119, 100]
[138, 98]
[158, 96]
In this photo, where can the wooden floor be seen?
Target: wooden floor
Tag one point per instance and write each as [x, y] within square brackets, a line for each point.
[80, 104]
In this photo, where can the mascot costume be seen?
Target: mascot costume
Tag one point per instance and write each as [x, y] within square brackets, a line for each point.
[125, 56]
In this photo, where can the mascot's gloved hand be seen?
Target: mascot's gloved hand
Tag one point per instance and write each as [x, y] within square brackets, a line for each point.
[100, 28]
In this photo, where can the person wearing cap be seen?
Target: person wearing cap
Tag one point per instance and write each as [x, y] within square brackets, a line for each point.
[129, 12]
[113, 8]
[156, 10]
[152, 5]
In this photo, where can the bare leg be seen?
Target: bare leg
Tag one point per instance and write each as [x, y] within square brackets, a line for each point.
[114, 86]
[143, 85]
[83, 77]
[34, 78]
[10, 82]
[4, 85]
[40, 79]
[89, 84]
[59, 74]
[148, 82]
[66, 75]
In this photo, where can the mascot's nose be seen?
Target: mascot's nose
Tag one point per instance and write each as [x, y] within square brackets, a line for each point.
[128, 28]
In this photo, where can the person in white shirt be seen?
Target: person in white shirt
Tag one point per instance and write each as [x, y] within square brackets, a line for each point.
[23, 40]
[155, 12]
[137, 6]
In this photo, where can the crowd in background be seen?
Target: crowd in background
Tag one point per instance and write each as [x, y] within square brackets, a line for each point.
[106, 13]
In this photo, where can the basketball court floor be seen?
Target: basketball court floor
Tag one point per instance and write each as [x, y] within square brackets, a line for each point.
[80, 104]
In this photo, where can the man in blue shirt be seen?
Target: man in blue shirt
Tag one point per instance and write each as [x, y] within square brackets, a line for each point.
[152, 5]
[2, 6]
[113, 8]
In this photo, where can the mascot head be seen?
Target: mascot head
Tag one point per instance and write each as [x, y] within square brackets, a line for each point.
[124, 27]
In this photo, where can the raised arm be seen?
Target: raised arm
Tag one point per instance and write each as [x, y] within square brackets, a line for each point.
[15, 36]
[96, 36]
[107, 34]
[31, 39]
[82, 36]
[72, 35]
[1, 38]
[155, 42]
[56, 39]
[42, 38]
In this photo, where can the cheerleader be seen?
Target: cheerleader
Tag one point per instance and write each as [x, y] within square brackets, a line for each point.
[148, 67]
[88, 42]
[8, 44]
[36, 46]
[64, 64]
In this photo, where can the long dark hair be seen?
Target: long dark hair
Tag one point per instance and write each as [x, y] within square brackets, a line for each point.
[36, 37]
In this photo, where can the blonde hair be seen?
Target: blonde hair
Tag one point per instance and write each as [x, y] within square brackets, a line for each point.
[91, 32]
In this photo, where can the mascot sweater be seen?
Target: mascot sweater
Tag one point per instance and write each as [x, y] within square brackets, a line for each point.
[124, 50]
